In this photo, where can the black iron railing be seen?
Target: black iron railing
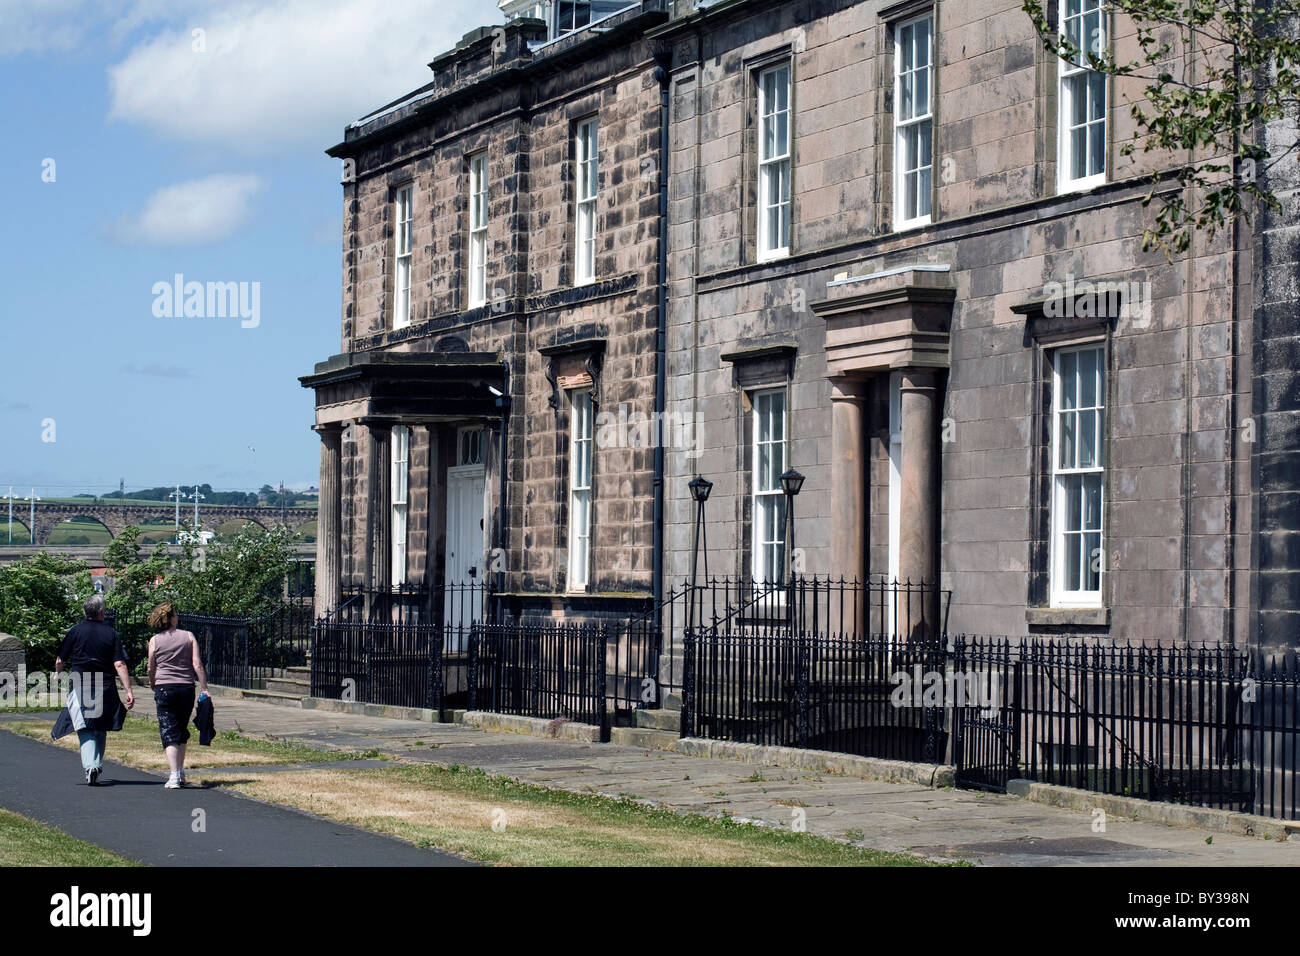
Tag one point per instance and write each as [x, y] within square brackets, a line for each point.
[224, 645]
[540, 670]
[813, 691]
[395, 664]
[839, 607]
[1203, 726]
[457, 605]
[1206, 726]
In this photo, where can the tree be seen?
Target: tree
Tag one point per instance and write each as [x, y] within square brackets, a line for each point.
[241, 576]
[1238, 71]
[40, 598]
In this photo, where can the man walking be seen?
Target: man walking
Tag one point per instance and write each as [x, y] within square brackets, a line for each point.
[93, 651]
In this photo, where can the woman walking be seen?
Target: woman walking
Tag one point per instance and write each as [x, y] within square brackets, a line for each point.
[174, 666]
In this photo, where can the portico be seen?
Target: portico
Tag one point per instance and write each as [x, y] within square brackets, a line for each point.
[363, 400]
[896, 324]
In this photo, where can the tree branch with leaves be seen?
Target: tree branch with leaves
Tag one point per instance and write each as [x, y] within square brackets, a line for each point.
[1215, 74]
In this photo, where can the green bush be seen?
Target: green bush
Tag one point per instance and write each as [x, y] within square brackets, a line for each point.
[40, 598]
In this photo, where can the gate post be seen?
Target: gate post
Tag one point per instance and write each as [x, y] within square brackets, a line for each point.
[472, 703]
[958, 746]
[802, 664]
[601, 668]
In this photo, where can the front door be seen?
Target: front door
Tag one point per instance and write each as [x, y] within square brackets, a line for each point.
[463, 603]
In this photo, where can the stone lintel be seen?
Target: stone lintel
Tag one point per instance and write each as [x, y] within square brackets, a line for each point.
[895, 320]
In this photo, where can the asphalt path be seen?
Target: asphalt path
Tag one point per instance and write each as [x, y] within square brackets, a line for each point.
[133, 815]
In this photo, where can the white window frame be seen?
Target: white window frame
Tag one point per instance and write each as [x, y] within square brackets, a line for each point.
[912, 118]
[1073, 74]
[478, 226]
[470, 443]
[401, 477]
[768, 526]
[774, 162]
[403, 214]
[1065, 540]
[580, 462]
[586, 151]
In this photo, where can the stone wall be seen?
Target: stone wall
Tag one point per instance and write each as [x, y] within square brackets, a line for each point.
[1177, 528]
[527, 128]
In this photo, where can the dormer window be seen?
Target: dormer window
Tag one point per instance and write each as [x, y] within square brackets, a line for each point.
[569, 15]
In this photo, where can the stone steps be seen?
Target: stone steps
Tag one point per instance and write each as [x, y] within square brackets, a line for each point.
[290, 685]
[273, 697]
[643, 738]
[670, 720]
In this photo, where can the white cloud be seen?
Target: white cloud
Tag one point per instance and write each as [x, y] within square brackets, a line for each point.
[287, 73]
[38, 26]
[194, 212]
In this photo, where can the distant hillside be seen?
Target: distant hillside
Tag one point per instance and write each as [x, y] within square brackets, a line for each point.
[268, 497]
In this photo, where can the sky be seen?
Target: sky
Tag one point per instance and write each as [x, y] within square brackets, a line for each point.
[148, 139]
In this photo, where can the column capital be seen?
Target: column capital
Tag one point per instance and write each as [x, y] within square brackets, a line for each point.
[918, 380]
[846, 388]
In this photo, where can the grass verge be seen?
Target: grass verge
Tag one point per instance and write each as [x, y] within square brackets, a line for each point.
[488, 818]
[25, 842]
[138, 745]
[504, 821]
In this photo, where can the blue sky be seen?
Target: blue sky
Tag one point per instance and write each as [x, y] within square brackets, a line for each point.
[198, 153]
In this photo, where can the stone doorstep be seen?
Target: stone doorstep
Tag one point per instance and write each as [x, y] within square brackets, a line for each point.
[532, 726]
[821, 761]
[1153, 811]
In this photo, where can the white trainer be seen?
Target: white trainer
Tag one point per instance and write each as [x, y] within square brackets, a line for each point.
[173, 782]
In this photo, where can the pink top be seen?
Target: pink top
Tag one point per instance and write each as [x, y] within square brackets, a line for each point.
[173, 658]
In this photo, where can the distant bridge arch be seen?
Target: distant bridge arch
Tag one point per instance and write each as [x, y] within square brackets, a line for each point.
[116, 518]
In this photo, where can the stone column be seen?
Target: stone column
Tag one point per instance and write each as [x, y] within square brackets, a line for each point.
[918, 559]
[379, 494]
[849, 494]
[329, 570]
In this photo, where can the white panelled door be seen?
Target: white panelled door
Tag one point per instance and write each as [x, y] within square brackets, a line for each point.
[464, 554]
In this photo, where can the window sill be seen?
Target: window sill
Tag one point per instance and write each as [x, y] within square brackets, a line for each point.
[1067, 616]
[912, 225]
[774, 255]
[1080, 185]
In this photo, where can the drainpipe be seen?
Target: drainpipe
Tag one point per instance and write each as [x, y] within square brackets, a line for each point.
[503, 532]
[663, 58]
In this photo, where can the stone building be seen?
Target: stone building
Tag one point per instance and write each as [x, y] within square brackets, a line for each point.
[903, 257]
[500, 303]
[906, 260]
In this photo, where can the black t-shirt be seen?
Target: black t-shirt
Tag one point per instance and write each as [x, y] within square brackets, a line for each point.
[92, 647]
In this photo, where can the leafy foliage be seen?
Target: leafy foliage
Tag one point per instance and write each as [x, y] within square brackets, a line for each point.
[242, 575]
[1214, 74]
[40, 598]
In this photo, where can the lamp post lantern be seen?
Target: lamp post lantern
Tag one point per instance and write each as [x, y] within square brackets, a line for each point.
[700, 488]
[791, 485]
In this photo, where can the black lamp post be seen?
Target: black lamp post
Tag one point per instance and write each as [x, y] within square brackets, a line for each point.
[700, 488]
[791, 484]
